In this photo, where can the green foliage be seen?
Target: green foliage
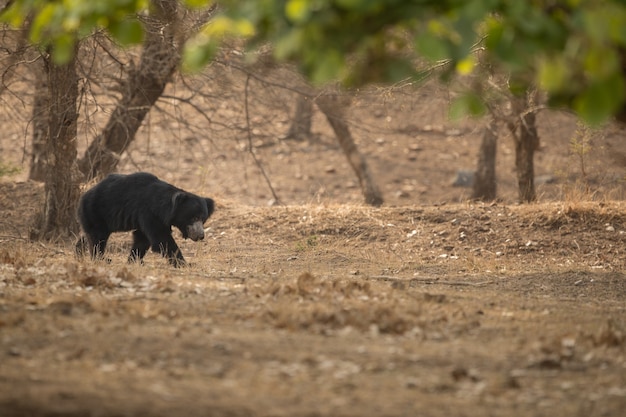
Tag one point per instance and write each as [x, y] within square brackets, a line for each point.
[468, 103]
[573, 49]
[201, 49]
[59, 24]
[318, 33]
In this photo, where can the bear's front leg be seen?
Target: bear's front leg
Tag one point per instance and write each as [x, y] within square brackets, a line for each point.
[170, 250]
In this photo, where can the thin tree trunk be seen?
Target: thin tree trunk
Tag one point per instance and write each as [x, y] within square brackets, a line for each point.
[300, 128]
[159, 59]
[485, 185]
[524, 132]
[58, 218]
[333, 108]
[41, 101]
[41, 105]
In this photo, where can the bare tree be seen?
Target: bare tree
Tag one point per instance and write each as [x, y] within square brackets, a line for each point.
[19, 52]
[334, 106]
[40, 118]
[167, 27]
[301, 123]
[518, 114]
[524, 131]
[58, 217]
[485, 185]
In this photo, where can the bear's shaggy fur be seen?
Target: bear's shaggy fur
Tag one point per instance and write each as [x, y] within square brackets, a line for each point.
[146, 205]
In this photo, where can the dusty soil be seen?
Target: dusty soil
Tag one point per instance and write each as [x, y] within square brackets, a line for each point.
[430, 305]
[326, 310]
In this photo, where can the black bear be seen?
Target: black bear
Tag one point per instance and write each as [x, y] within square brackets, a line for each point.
[148, 206]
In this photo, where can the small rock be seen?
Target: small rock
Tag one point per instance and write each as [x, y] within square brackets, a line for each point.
[13, 351]
[464, 178]
[411, 383]
[454, 132]
[544, 179]
[398, 285]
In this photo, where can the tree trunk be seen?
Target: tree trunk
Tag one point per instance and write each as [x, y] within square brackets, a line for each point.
[333, 108]
[58, 218]
[300, 128]
[485, 185]
[40, 118]
[41, 101]
[159, 59]
[524, 132]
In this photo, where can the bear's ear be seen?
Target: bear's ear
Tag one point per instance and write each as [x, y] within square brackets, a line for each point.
[177, 199]
[210, 205]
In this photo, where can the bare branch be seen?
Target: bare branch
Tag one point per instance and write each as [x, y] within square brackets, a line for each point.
[251, 148]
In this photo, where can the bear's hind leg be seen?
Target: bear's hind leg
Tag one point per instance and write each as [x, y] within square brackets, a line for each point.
[97, 246]
[141, 244]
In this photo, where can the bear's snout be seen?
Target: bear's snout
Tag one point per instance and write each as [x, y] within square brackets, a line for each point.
[195, 231]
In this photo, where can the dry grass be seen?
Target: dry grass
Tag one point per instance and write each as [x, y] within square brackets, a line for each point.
[328, 310]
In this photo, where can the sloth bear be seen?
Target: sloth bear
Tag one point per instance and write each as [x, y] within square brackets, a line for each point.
[146, 205]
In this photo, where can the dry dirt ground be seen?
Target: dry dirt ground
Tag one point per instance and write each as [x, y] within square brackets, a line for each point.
[430, 305]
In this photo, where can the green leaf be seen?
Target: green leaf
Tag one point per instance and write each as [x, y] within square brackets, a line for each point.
[397, 69]
[221, 26]
[596, 26]
[41, 21]
[358, 5]
[14, 15]
[554, 74]
[297, 10]
[63, 49]
[601, 62]
[518, 86]
[466, 65]
[432, 47]
[127, 32]
[327, 67]
[468, 104]
[600, 100]
[197, 55]
[288, 44]
[196, 4]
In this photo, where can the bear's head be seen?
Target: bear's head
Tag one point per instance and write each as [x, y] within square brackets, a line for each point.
[189, 212]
